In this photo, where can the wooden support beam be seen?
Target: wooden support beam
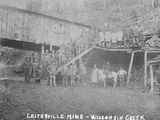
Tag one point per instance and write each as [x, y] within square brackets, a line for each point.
[114, 49]
[76, 58]
[50, 47]
[130, 67]
[153, 51]
[42, 49]
[153, 61]
[135, 51]
[145, 68]
[151, 78]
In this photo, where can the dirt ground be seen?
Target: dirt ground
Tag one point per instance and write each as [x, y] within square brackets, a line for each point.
[21, 98]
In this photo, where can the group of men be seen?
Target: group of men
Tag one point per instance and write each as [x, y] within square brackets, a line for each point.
[108, 73]
[31, 67]
[44, 66]
[34, 68]
[69, 76]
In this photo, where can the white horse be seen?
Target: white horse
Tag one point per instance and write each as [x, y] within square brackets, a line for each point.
[102, 75]
[122, 74]
[115, 76]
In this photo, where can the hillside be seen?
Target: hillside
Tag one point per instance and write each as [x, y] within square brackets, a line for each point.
[116, 13]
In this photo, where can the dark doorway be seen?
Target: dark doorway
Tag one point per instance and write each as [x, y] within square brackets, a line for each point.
[30, 46]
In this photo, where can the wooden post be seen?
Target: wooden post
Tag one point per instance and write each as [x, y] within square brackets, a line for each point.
[151, 78]
[145, 68]
[50, 47]
[53, 80]
[104, 83]
[42, 49]
[130, 67]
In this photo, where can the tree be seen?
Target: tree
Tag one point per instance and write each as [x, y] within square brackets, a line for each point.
[155, 3]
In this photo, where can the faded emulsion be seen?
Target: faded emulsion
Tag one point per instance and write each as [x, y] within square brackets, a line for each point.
[80, 59]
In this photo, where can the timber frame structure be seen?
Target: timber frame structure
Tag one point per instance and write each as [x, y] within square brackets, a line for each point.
[132, 52]
[151, 64]
[146, 52]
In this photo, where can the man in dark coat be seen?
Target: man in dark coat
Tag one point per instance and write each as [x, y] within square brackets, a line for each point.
[27, 67]
[59, 78]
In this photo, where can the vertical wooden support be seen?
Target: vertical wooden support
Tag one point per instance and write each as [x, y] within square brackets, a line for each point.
[7, 22]
[145, 68]
[130, 67]
[151, 78]
[42, 52]
[42, 49]
[54, 81]
[104, 83]
[50, 47]
[71, 73]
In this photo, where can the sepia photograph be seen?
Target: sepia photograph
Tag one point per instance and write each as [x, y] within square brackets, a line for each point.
[79, 59]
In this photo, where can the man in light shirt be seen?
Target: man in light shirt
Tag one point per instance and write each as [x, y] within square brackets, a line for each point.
[122, 74]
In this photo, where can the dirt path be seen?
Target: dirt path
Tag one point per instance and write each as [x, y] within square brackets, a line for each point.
[43, 99]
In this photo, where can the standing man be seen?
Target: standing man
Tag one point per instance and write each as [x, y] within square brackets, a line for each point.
[59, 78]
[27, 67]
[122, 75]
[94, 75]
[33, 61]
[52, 70]
[69, 75]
